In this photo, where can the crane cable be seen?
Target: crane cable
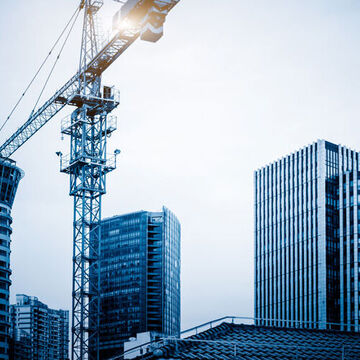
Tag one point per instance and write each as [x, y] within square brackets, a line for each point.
[55, 63]
[76, 13]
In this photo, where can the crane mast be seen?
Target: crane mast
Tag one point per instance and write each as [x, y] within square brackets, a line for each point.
[87, 164]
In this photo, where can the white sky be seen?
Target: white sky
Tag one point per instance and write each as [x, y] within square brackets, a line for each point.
[233, 85]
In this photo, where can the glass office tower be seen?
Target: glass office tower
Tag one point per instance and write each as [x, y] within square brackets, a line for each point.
[140, 278]
[307, 239]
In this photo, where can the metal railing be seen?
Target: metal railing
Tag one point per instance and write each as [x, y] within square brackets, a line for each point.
[108, 164]
[115, 95]
[210, 324]
[298, 324]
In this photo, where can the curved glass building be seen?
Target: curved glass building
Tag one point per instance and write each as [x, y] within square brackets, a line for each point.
[10, 176]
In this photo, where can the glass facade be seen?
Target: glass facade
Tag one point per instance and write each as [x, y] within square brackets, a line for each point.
[306, 239]
[10, 176]
[349, 242]
[140, 277]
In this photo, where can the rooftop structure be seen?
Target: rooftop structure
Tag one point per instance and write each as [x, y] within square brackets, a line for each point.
[229, 341]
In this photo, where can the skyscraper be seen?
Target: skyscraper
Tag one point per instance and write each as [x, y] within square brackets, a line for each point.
[10, 176]
[39, 331]
[140, 277]
[307, 239]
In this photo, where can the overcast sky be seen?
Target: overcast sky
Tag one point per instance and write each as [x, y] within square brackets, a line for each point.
[232, 86]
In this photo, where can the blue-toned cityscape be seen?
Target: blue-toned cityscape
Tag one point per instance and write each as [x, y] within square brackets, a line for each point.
[241, 118]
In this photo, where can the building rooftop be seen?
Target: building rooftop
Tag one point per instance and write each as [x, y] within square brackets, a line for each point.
[238, 341]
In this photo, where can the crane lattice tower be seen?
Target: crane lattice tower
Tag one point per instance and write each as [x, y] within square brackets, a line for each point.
[88, 126]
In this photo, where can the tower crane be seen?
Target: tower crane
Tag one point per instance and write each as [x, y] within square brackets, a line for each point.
[88, 126]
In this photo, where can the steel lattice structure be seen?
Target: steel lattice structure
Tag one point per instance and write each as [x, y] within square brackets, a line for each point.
[87, 164]
[87, 167]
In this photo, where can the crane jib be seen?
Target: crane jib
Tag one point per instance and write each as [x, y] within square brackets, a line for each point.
[105, 57]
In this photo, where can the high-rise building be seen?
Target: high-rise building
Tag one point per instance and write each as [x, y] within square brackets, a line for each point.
[10, 176]
[140, 278]
[307, 211]
[38, 331]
